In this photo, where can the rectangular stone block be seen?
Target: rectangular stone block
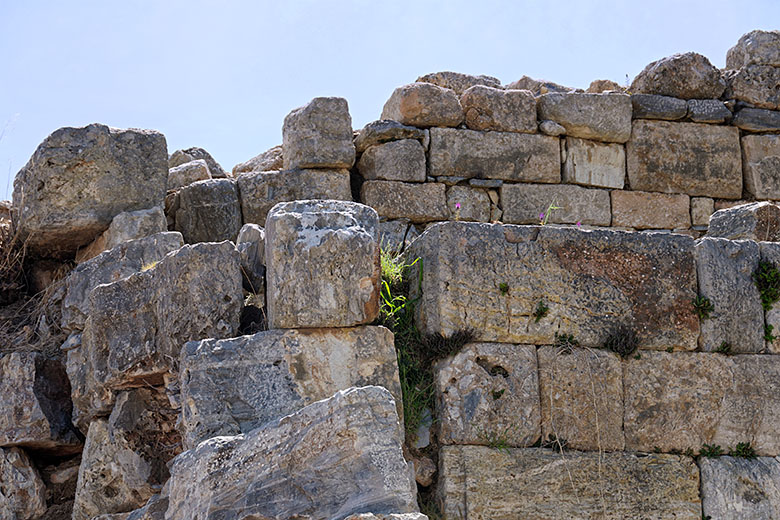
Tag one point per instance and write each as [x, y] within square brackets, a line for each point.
[416, 202]
[770, 252]
[761, 165]
[208, 211]
[491, 278]
[477, 482]
[735, 487]
[394, 161]
[524, 203]
[644, 210]
[318, 135]
[490, 108]
[494, 155]
[594, 164]
[759, 221]
[701, 210]
[601, 117]
[467, 203]
[692, 158]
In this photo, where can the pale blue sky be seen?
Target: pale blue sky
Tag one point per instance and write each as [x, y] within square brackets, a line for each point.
[222, 75]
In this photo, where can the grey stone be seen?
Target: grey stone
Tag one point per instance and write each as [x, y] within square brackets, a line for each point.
[770, 252]
[708, 111]
[416, 202]
[22, 493]
[759, 221]
[394, 161]
[126, 226]
[740, 488]
[705, 160]
[318, 135]
[494, 155]
[209, 211]
[180, 157]
[385, 131]
[537, 86]
[685, 76]
[187, 173]
[757, 120]
[761, 165]
[489, 108]
[594, 164]
[396, 235]
[154, 509]
[523, 204]
[551, 128]
[424, 105]
[701, 210]
[466, 203]
[251, 247]
[233, 386]
[330, 459]
[322, 264]
[601, 117]
[755, 48]
[261, 191]
[269, 160]
[459, 82]
[78, 179]
[757, 85]
[486, 183]
[653, 106]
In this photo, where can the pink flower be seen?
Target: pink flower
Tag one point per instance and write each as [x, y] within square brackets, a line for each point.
[579, 224]
[541, 216]
[457, 205]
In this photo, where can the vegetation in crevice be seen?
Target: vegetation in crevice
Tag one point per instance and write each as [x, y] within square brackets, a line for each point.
[541, 311]
[622, 340]
[702, 306]
[767, 280]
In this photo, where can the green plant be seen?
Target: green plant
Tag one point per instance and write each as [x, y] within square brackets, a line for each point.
[540, 311]
[670, 349]
[743, 449]
[638, 356]
[544, 216]
[497, 394]
[767, 280]
[496, 440]
[711, 450]
[703, 307]
[622, 341]
[724, 348]
[504, 288]
[565, 342]
[768, 336]
[689, 452]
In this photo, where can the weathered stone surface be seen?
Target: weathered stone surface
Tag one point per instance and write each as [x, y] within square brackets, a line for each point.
[759, 221]
[36, 404]
[458, 81]
[770, 252]
[209, 211]
[757, 120]
[424, 105]
[757, 85]
[684, 400]
[494, 155]
[333, 458]
[396, 235]
[479, 482]
[466, 203]
[424, 470]
[653, 106]
[318, 135]
[643, 210]
[269, 160]
[489, 108]
[394, 161]
[180, 157]
[119, 262]
[488, 391]
[22, 495]
[261, 191]
[597, 86]
[137, 325]
[701, 210]
[188, 173]
[322, 264]
[725, 269]
[686, 76]
[581, 393]
[551, 128]
[537, 86]
[416, 202]
[755, 48]
[385, 131]
[235, 385]
[251, 247]
[734, 487]
[523, 204]
[708, 111]
[761, 165]
[601, 117]
[372, 516]
[594, 164]
[591, 281]
[80, 178]
[705, 160]
[126, 226]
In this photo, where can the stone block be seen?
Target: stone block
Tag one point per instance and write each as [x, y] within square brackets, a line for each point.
[701, 210]
[755, 48]
[653, 106]
[757, 85]
[551, 128]
[594, 164]
[424, 105]
[194, 153]
[685, 76]
[644, 210]
[759, 221]
[601, 117]
[494, 155]
[187, 173]
[416, 202]
[396, 235]
[330, 459]
[385, 131]
[322, 264]
[22, 493]
[757, 120]
[708, 111]
[394, 161]
[705, 159]
[761, 165]
[740, 488]
[209, 211]
[270, 160]
[489, 108]
[466, 203]
[251, 246]
[486, 392]
[318, 135]
[537, 86]
[597, 86]
[129, 225]
[458, 81]
[523, 204]
[770, 252]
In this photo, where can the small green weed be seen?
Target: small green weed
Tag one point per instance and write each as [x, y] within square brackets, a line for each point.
[743, 449]
[497, 441]
[724, 348]
[544, 216]
[497, 394]
[504, 288]
[622, 341]
[638, 356]
[767, 280]
[711, 450]
[768, 336]
[703, 307]
[565, 342]
[541, 311]
[670, 349]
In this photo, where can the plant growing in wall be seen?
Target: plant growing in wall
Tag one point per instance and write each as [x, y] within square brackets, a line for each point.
[767, 280]
[622, 341]
[702, 306]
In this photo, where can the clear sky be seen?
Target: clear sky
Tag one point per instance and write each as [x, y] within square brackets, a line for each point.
[223, 74]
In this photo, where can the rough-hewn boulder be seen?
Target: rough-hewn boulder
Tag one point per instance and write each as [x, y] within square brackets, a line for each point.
[22, 493]
[523, 204]
[187, 173]
[653, 106]
[459, 82]
[601, 117]
[269, 160]
[489, 108]
[644, 210]
[759, 221]
[180, 157]
[755, 48]
[594, 164]
[761, 165]
[126, 226]
[757, 85]
[740, 488]
[417, 202]
[686, 76]
[318, 135]
[385, 131]
[537, 86]
[424, 105]
[394, 161]
[209, 211]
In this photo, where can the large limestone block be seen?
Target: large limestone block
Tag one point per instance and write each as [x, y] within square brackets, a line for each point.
[117, 263]
[194, 153]
[761, 165]
[757, 85]
[652, 106]
[22, 493]
[494, 155]
[594, 164]
[488, 392]
[318, 135]
[424, 105]
[261, 191]
[759, 221]
[416, 202]
[394, 161]
[489, 108]
[643, 210]
[235, 385]
[385, 131]
[581, 398]
[491, 278]
[126, 226]
[686, 76]
[725, 269]
[705, 159]
[477, 482]
[757, 120]
[601, 117]
[755, 48]
[524, 203]
[322, 262]
[458, 81]
[269, 160]
[137, 325]
[333, 458]
[209, 211]
[187, 173]
[80, 178]
[36, 404]
[740, 488]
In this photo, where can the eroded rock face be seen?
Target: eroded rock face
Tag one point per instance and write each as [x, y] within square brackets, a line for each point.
[333, 458]
[594, 164]
[318, 135]
[740, 488]
[394, 161]
[187, 173]
[395, 235]
[601, 117]
[126, 226]
[424, 105]
[22, 494]
[322, 264]
[180, 157]
[489, 108]
[417, 202]
[761, 165]
[755, 48]
[270, 160]
[759, 221]
[385, 131]
[458, 81]
[480, 482]
[686, 76]
[80, 178]
[235, 385]
[209, 211]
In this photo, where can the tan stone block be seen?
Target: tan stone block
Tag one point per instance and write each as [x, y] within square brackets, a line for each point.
[423, 105]
[642, 210]
[594, 164]
[417, 202]
[501, 110]
[761, 165]
[602, 117]
[701, 209]
[523, 203]
[465, 203]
